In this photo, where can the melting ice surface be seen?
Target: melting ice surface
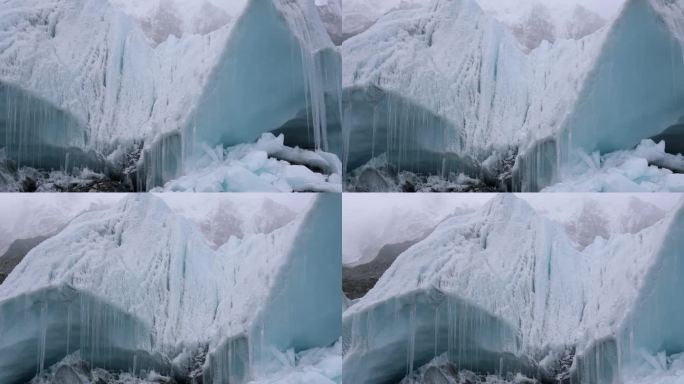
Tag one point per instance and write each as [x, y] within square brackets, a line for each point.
[137, 289]
[85, 85]
[647, 168]
[440, 88]
[266, 166]
[504, 292]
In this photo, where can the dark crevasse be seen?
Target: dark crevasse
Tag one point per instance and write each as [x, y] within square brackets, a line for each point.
[413, 138]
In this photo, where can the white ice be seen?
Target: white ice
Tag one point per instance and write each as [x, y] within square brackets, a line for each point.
[647, 168]
[266, 166]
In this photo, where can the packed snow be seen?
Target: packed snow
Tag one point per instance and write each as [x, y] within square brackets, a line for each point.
[139, 288]
[542, 308]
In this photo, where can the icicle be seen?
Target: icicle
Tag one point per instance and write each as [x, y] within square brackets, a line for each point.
[42, 339]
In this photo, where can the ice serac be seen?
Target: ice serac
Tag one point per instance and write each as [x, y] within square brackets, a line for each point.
[641, 54]
[73, 292]
[279, 58]
[82, 85]
[279, 72]
[463, 99]
[466, 294]
[303, 308]
[138, 288]
[487, 97]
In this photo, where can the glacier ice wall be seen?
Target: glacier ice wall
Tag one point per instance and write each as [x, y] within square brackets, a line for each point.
[447, 304]
[271, 67]
[137, 287]
[30, 128]
[278, 72]
[652, 324]
[641, 55]
[497, 309]
[269, 72]
[469, 71]
[303, 309]
[390, 340]
[480, 62]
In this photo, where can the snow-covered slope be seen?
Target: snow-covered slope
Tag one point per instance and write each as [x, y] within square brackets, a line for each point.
[138, 286]
[30, 216]
[92, 79]
[219, 218]
[443, 87]
[586, 219]
[534, 21]
[374, 221]
[504, 290]
[331, 15]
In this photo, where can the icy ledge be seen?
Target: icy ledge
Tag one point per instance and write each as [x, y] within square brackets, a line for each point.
[539, 308]
[136, 288]
[265, 166]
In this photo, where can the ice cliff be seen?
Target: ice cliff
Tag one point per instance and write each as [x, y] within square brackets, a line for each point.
[440, 87]
[504, 291]
[87, 83]
[137, 288]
